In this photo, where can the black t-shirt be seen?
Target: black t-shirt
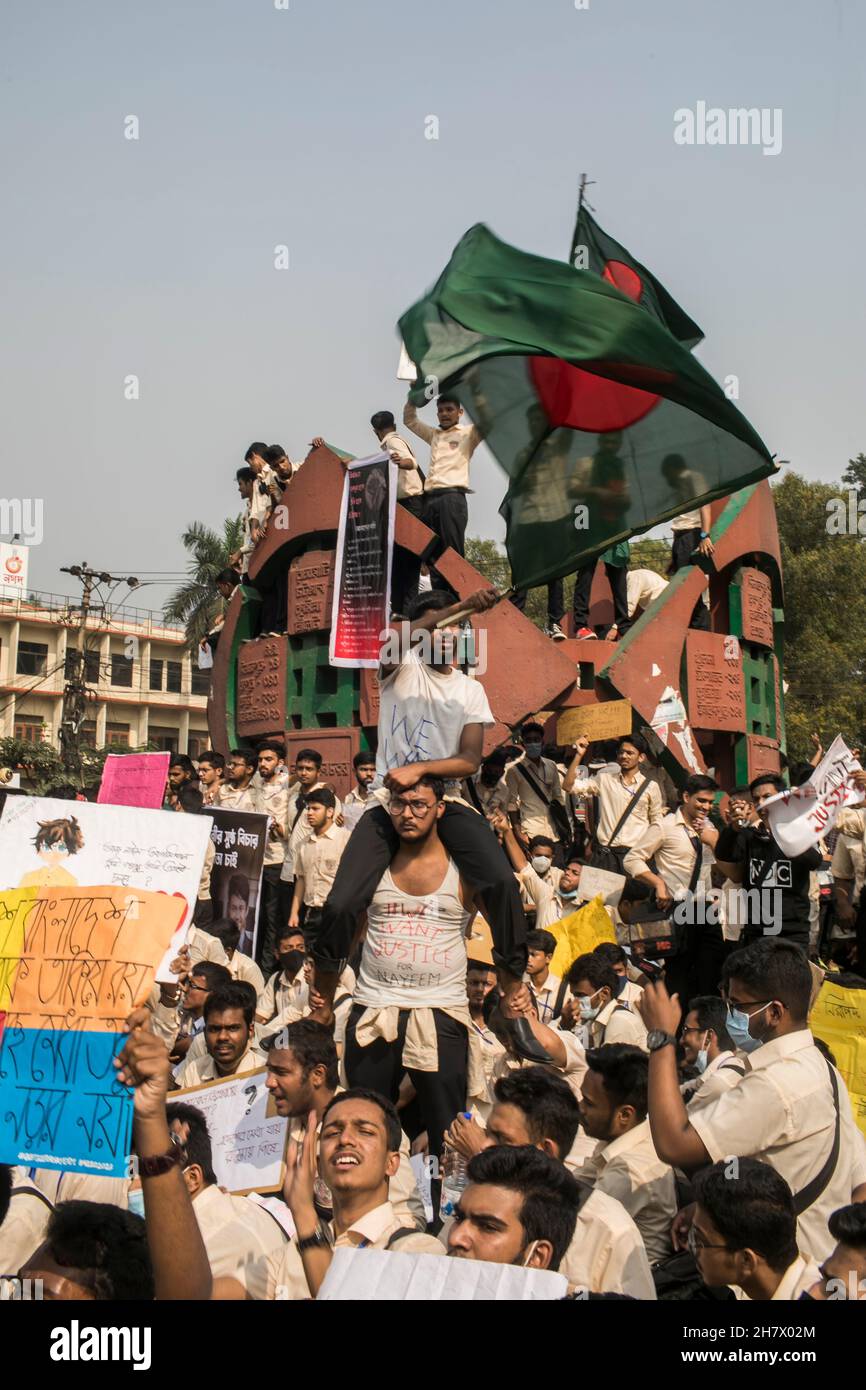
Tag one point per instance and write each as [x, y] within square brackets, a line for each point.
[767, 867]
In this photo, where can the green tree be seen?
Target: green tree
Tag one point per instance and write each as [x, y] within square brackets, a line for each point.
[855, 475]
[196, 603]
[40, 764]
[824, 577]
[650, 555]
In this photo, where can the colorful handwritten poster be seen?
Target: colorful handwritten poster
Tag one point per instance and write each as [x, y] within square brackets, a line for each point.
[248, 1137]
[134, 779]
[49, 843]
[74, 962]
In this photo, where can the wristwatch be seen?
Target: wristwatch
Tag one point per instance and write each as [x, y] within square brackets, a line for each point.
[705, 535]
[162, 1163]
[657, 1038]
[318, 1238]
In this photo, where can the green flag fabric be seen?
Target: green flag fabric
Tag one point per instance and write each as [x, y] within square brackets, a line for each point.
[604, 423]
[593, 250]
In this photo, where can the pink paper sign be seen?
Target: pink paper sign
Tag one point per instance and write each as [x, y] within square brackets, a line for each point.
[134, 779]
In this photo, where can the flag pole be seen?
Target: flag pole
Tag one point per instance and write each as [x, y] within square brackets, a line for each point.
[585, 183]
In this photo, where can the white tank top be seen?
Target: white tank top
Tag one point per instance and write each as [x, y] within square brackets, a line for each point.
[414, 954]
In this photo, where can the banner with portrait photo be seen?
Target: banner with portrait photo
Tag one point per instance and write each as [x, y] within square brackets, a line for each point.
[239, 839]
[365, 548]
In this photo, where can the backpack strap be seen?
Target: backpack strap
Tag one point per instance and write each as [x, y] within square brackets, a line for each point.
[400, 1234]
[627, 812]
[809, 1194]
[538, 787]
[560, 997]
[472, 794]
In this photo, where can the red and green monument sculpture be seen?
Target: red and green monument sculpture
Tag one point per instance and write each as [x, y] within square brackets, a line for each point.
[713, 699]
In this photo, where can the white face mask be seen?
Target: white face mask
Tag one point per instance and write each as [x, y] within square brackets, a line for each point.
[135, 1200]
[703, 1057]
[587, 1011]
[541, 863]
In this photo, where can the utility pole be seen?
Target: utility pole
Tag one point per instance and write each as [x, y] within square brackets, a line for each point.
[75, 691]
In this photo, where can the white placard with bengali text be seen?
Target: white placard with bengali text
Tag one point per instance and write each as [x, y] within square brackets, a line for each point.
[248, 1138]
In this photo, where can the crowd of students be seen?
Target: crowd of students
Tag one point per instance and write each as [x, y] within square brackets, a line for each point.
[660, 1121]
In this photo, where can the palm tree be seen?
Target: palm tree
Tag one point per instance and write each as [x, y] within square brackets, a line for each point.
[196, 603]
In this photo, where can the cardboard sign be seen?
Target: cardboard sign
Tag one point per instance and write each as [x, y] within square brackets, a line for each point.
[600, 882]
[610, 719]
[248, 1137]
[373, 1276]
[134, 779]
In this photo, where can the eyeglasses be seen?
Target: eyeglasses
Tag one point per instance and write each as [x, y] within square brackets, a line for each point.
[415, 808]
[696, 1243]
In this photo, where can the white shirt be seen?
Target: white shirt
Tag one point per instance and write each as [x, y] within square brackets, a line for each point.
[782, 1112]
[643, 588]
[450, 451]
[689, 484]
[422, 715]
[409, 482]
[522, 780]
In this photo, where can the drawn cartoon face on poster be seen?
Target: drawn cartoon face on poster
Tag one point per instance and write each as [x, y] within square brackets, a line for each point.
[54, 844]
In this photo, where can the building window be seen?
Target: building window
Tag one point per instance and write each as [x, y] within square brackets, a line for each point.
[121, 670]
[117, 735]
[30, 728]
[87, 736]
[32, 658]
[173, 676]
[196, 746]
[165, 740]
[91, 666]
[200, 682]
[155, 675]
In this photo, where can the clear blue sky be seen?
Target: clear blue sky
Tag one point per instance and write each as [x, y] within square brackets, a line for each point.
[306, 127]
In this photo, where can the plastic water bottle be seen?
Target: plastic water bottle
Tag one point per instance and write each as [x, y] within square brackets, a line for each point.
[454, 1178]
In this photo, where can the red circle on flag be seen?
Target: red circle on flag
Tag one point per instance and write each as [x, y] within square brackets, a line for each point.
[624, 278]
[580, 400]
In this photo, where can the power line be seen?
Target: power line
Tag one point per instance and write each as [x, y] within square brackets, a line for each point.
[21, 693]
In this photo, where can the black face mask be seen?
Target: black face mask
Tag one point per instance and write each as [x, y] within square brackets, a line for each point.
[290, 963]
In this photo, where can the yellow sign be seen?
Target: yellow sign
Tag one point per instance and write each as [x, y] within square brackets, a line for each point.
[610, 719]
[579, 933]
[839, 1020]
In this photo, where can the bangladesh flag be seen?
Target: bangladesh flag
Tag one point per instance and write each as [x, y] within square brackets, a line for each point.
[592, 249]
[604, 423]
